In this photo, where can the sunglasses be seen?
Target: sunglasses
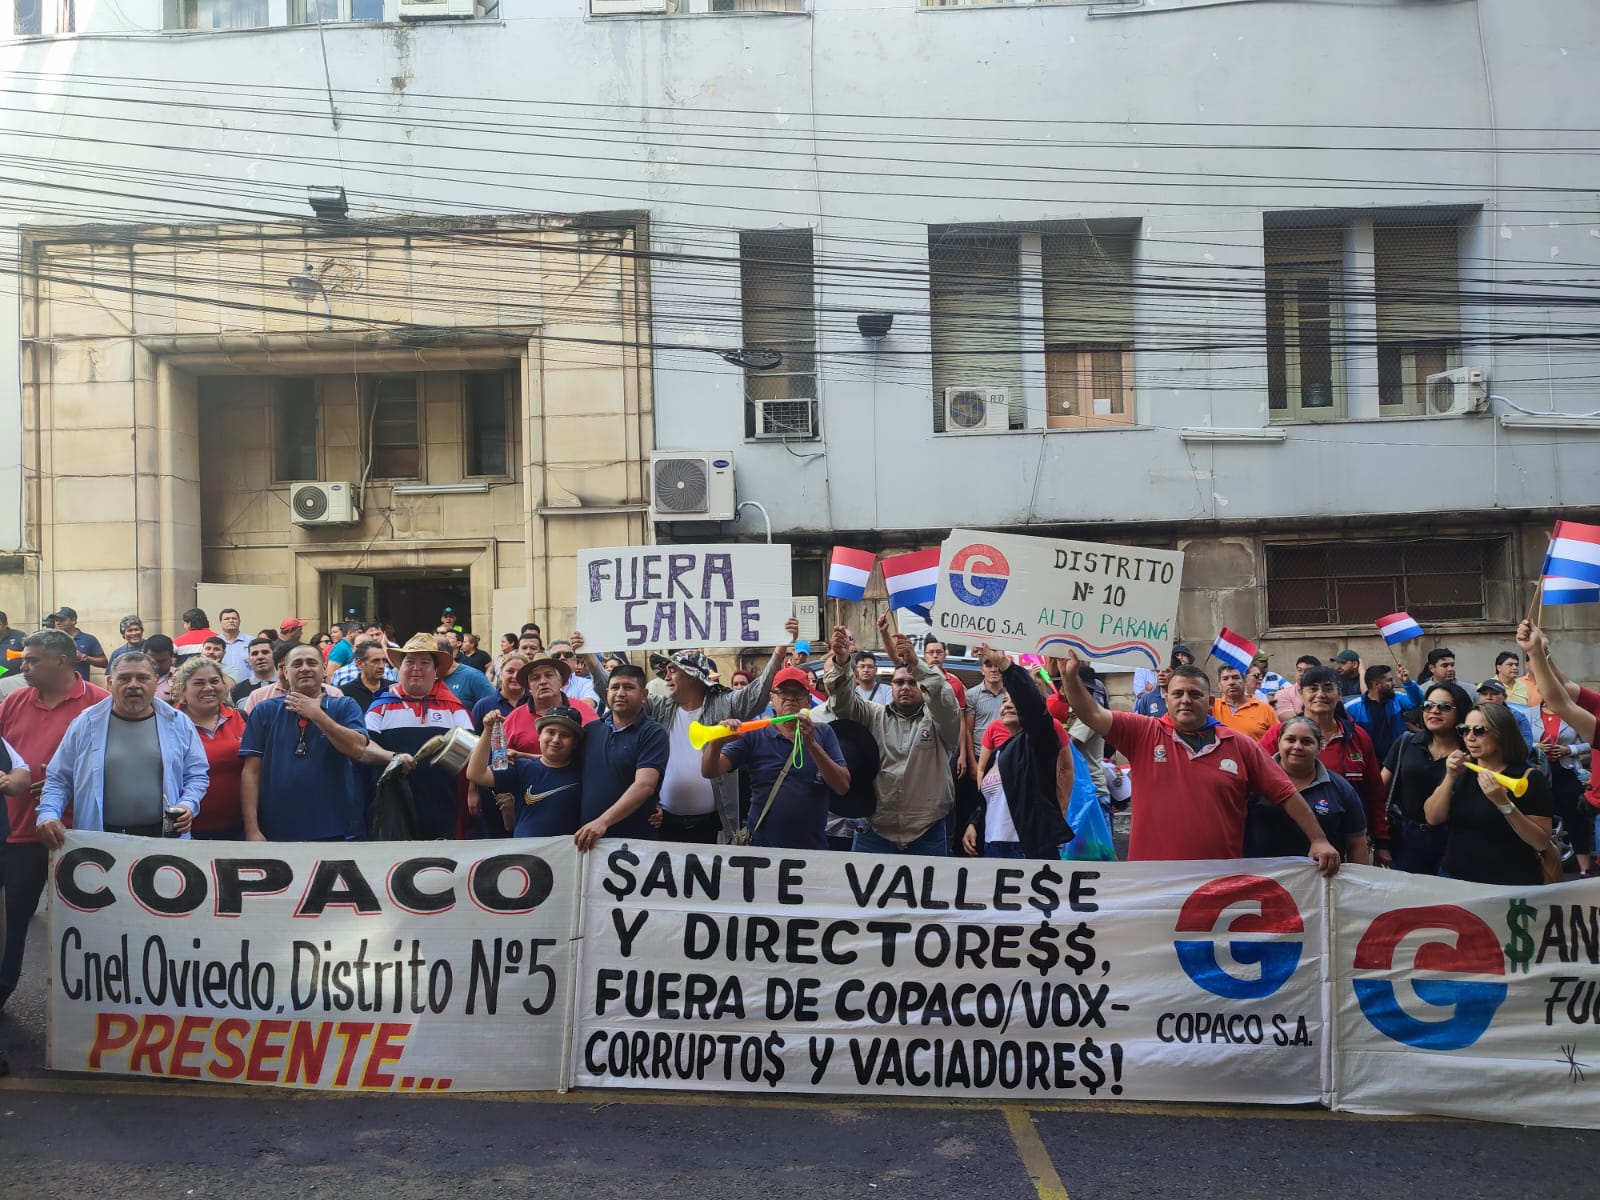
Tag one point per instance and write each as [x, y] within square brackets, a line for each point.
[563, 654]
[1475, 730]
[1437, 706]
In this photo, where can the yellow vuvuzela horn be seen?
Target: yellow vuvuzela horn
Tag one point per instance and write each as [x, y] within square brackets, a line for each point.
[1517, 787]
[700, 735]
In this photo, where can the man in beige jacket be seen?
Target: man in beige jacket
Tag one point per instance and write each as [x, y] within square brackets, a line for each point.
[916, 731]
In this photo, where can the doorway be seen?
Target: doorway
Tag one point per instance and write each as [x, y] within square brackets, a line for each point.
[408, 601]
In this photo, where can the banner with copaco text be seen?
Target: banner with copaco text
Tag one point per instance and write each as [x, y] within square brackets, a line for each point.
[708, 969]
[1465, 1000]
[389, 967]
[1034, 595]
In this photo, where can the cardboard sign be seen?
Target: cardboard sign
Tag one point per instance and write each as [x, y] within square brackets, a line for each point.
[1033, 595]
[631, 597]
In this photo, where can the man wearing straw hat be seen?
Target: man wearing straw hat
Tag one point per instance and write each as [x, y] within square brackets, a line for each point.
[414, 709]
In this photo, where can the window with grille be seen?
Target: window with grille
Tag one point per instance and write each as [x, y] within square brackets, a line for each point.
[1355, 583]
[1417, 280]
[1305, 374]
[314, 12]
[1088, 327]
[778, 307]
[295, 438]
[487, 416]
[391, 421]
[975, 316]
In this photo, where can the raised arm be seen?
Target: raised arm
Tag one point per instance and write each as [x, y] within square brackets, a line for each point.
[1079, 698]
[1533, 642]
[836, 681]
[597, 671]
[748, 702]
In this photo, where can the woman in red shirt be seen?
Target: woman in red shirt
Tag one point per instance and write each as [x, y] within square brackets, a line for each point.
[199, 691]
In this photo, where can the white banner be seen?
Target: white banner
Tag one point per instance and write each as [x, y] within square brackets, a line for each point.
[394, 966]
[630, 597]
[706, 968]
[1466, 1000]
[1035, 595]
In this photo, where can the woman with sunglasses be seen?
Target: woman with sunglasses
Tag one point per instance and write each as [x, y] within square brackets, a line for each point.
[1413, 771]
[1490, 835]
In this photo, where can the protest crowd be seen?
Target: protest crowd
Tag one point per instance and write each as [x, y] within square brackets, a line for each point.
[353, 735]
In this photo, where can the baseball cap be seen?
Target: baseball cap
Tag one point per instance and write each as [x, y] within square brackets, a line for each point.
[291, 623]
[803, 646]
[791, 675]
[65, 614]
[1347, 656]
[563, 715]
[1492, 685]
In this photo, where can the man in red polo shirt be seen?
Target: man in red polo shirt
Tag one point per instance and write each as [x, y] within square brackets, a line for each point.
[1192, 776]
[33, 721]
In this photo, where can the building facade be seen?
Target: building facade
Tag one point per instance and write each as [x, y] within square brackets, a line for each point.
[193, 429]
[1169, 272]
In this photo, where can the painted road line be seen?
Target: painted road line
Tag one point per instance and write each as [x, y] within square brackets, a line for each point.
[1035, 1158]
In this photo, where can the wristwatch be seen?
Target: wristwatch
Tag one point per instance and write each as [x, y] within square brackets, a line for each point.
[1507, 809]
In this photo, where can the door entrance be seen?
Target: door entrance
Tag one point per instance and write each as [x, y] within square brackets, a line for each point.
[408, 601]
[413, 603]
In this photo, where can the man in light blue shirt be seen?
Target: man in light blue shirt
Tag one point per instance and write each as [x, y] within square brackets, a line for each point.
[124, 761]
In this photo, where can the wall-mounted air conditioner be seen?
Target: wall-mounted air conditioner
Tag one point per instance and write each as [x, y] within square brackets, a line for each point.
[1463, 390]
[968, 410]
[323, 504]
[691, 485]
[786, 419]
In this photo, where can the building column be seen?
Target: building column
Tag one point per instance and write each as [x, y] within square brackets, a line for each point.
[1359, 336]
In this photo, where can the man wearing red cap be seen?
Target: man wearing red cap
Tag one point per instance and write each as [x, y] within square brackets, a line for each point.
[290, 629]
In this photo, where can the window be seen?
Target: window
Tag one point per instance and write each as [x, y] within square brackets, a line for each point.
[778, 306]
[975, 314]
[32, 18]
[1305, 375]
[216, 14]
[392, 421]
[295, 436]
[1088, 328]
[488, 450]
[313, 12]
[1417, 281]
[634, 8]
[1354, 583]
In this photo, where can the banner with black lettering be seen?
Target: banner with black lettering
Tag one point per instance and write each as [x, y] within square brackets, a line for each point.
[390, 966]
[717, 968]
[1466, 1000]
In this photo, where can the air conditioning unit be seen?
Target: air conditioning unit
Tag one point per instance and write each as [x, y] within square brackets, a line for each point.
[437, 10]
[786, 418]
[323, 504]
[968, 410]
[691, 486]
[1463, 390]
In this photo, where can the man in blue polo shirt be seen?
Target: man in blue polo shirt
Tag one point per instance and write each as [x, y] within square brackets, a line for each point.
[300, 781]
[90, 653]
[624, 756]
[789, 790]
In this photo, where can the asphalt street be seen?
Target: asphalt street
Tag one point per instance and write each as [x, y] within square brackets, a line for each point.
[101, 1138]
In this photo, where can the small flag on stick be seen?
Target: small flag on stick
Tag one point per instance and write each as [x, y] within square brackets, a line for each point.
[1233, 649]
[1398, 627]
[913, 581]
[847, 573]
